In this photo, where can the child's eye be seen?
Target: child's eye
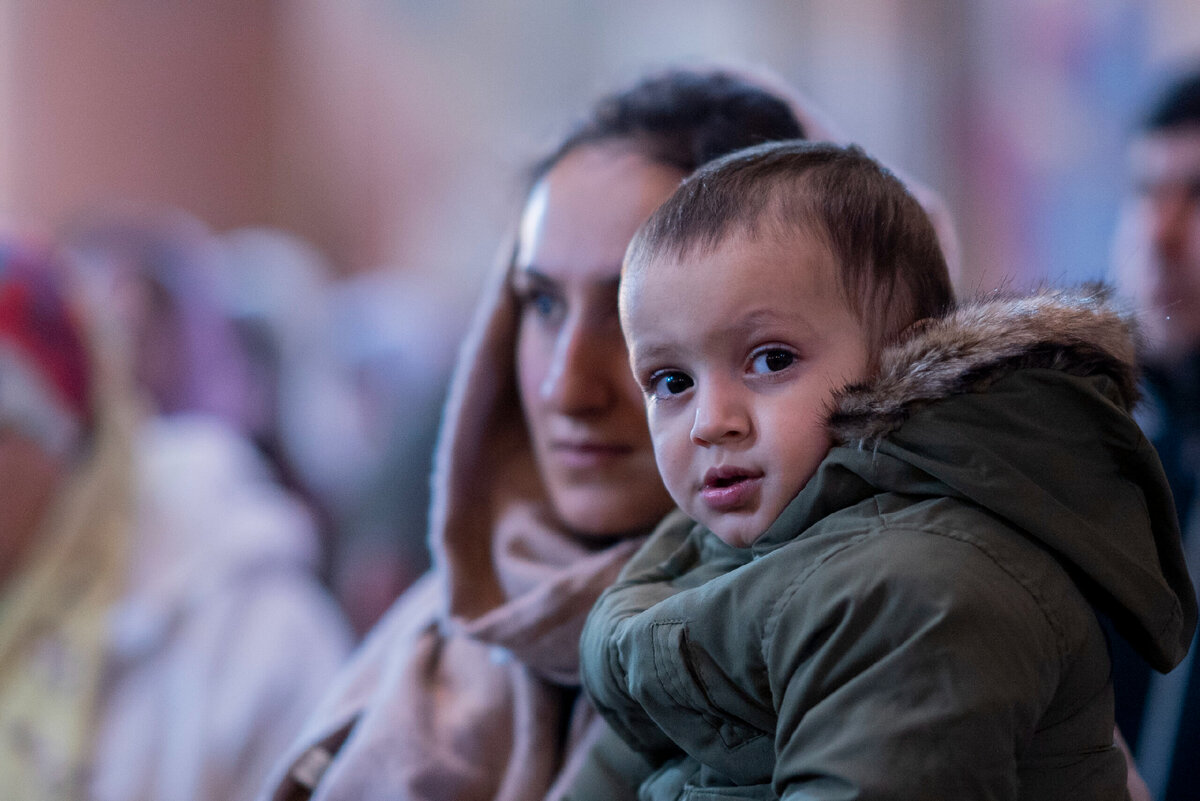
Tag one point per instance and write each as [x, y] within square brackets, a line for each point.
[668, 383]
[772, 360]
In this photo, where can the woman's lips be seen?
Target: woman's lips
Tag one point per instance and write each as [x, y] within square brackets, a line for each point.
[726, 489]
[587, 455]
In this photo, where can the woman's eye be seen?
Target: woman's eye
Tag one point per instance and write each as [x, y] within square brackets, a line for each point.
[669, 384]
[772, 361]
[542, 303]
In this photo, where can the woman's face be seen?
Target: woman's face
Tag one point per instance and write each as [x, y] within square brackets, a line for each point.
[583, 409]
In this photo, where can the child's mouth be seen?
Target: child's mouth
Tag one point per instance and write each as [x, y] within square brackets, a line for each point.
[726, 489]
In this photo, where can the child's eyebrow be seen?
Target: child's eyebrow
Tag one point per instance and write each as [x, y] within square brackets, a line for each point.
[762, 317]
[757, 317]
[653, 352]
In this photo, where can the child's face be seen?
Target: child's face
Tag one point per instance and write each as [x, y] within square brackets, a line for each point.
[738, 352]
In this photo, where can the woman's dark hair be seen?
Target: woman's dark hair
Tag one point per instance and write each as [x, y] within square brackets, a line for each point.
[683, 118]
[1178, 106]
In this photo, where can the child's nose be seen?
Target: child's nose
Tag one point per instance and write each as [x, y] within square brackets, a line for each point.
[720, 416]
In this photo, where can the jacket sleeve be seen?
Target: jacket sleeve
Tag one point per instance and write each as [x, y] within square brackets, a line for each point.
[642, 584]
[605, 768]
[917, 669]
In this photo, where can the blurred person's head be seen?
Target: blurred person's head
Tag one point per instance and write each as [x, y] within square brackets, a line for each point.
[154, 269]
[45, 395]
[581, 406]
[276, 292]
[1157, 254]
[272, 291]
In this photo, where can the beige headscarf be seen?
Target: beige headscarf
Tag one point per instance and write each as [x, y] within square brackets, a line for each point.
[513, 577]
[468, 688]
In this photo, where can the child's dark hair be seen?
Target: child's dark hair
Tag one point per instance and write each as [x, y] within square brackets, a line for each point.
[890, 263]
[683, 118]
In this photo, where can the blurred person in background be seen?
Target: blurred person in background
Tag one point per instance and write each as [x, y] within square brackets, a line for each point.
[160, 628]
[1157, 266]
[545, 482]
[160, 272]
[311, 414]
[391, 334]
[158, 267]
[270, 291]
[350, 376]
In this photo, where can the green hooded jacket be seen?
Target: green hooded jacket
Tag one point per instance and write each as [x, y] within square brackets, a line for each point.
[922, 621]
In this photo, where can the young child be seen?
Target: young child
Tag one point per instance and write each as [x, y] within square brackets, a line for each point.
[907, 518]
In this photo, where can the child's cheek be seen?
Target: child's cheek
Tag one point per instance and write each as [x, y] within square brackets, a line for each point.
[672, 455]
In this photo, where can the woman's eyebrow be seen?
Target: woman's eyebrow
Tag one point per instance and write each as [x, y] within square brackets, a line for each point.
[531, 275]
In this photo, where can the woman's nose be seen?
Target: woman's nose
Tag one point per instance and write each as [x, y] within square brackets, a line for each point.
[579, 377]
[720, 416]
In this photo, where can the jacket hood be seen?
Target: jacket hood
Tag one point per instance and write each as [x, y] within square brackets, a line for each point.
[1021, 405]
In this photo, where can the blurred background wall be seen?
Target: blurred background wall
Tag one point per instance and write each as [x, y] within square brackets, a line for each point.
[391, 132]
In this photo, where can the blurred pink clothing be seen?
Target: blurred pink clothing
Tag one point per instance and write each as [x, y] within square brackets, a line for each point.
[223, 639]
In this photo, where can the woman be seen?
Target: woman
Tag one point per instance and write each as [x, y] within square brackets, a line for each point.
[160, 626]
[545, 481]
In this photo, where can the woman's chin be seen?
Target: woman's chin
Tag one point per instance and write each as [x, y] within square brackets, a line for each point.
[610, 514]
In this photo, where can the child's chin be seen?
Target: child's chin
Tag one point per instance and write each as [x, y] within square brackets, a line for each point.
[737, 536]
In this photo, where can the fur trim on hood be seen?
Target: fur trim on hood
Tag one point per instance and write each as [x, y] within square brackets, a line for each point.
[1080, 331]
